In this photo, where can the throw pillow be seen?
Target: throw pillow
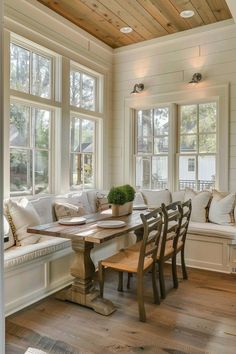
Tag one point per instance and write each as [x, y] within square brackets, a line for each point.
[7, 233]
[200, 204]
[138, 199]
[154, 198]
[63, 210]
[102, 202]
[23, 215]
[222, 208]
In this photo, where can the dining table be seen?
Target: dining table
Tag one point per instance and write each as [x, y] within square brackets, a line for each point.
[83, 238]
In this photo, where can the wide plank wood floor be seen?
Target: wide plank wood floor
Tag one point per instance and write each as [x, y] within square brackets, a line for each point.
[199, 317]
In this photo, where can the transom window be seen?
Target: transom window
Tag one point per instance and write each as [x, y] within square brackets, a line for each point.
[29, 148]
[83, 90]
[152, 146]
[82, 152]
[197, 145]
[30, 71]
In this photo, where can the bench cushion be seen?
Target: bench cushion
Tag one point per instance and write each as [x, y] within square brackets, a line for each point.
[15, 256]
[210, 229]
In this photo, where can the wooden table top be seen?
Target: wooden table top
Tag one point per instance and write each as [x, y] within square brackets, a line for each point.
[90, 232]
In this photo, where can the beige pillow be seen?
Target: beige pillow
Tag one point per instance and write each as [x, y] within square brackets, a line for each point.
[102, 203]
[23, 215]
[63, 210]
[154, 198]
[222, 208]
[200, 204]
[8, 233]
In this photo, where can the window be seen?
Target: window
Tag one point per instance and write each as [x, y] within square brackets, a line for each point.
[29, 149]
[191, 165]
[82, 90]
[31, 83]
[30, 72]
[152, 148]
[82, 152]
[197, 143]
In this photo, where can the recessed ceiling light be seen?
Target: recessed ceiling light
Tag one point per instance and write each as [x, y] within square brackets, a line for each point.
[187, 13]
[126, 29]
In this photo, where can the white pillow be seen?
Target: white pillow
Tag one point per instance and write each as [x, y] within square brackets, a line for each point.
[200, 203]
[138, 199]
[80, 199]
[43, 206]
[23, 215]
[63, 210]
[8, 233]
[178, 196]
[154, 198]
[222, 208]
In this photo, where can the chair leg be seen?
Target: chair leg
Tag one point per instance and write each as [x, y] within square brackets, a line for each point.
[154, 285]
[174, 272]
[142, 313]
[130, 275]
[162, 280]
[101, 276]
[120, 285]
[184, 270]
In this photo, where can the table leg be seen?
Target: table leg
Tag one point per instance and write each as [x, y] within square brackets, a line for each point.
[139, 234]
[82, 290]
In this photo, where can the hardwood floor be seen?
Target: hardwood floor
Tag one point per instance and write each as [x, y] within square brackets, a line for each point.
[199, 317]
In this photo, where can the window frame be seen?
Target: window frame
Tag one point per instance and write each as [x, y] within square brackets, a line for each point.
[94, 153]
[197, 153]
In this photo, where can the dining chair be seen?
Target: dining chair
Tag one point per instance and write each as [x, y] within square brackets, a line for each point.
[186, 209]
[138, 262]
[168, 245]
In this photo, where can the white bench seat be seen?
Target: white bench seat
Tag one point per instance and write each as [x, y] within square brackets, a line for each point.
[46, 245]
[210, 229]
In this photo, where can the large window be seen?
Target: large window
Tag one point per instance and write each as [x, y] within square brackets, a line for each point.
[197, 145]
[193, 140]
[29, 149]
[82, 152]
[152, 148]
[31, 84]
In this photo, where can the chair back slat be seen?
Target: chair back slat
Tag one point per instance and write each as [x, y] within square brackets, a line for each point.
[172, 223]
[152, 226]
[186, 209]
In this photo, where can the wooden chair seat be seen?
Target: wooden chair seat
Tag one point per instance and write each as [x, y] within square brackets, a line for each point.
[169, 249]
[126, 261]
[169, 244]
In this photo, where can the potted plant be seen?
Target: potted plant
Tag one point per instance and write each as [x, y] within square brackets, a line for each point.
[121, 198]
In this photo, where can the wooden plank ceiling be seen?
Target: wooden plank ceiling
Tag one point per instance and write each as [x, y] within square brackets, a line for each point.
[148, 18]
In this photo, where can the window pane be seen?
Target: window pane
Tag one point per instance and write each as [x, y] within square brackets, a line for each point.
[75, 88]
[88, 170]
[76, 169]
[41, 171]
[160, 145]
[188, 123]
[187, 178]
[188, 143]
[75, 134]
[161, 121]
[88, 92]
[144, 123]
[19, 68]
[19, 125]
[207, 117]
[42, 128]
[87, 135]
[21, 171]
[144, 145]
[143, 171]
[207, 143]
[206, 172]
[159, 172]
[41, 76]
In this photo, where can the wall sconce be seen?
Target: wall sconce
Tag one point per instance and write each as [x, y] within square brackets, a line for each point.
[197, 77]
[137, 88]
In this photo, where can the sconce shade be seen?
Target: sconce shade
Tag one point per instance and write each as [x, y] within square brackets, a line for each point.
[137, 88]
[197, 77]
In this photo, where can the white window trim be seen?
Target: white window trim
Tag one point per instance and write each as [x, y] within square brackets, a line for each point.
[219, 93]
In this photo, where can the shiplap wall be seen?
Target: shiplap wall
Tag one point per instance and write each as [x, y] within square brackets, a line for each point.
[167, 65]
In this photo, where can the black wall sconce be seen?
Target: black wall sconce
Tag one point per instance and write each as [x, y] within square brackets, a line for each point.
[137, 88]
[197, 77]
